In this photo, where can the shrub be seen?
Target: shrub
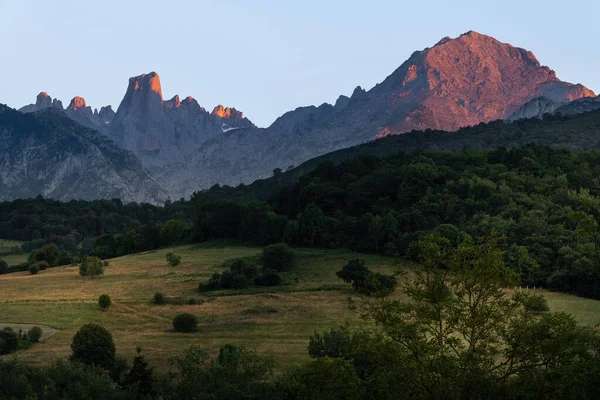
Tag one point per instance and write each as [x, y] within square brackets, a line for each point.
[159, 298]
[214, 283]
[93, 344]
[241, 267]
[43, 265]
[104, 301]
[191, 302]
[3, 267]
[337, 343]
[34, 269]
[34, 334]
[64, 258]
[91, 266]
[48, 253]
[355, 270]
[279, 257]
[268, 277]
[534, 303]
[185, 323]
[377, 284]
[173, 259]
[106, 263]
[9, 341]
[365, 281]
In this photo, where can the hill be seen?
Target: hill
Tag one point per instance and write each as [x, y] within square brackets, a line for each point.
[48, 154]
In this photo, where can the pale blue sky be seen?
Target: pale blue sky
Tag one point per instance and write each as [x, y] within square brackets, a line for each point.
[265, 57]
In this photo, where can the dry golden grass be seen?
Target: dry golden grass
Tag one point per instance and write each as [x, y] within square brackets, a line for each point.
[275, 324]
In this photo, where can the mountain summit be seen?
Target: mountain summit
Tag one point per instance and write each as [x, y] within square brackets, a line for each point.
[464, 81]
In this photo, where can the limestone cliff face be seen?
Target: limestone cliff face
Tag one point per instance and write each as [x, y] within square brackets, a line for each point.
[47, 153]
[163, 132]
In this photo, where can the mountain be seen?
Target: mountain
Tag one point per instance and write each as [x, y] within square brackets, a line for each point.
[458, 82]
[77, 110]
[47, 153]
[576, 133]
[162, 132]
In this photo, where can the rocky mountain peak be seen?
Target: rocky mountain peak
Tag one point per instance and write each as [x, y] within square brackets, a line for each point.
[173, 103]
[77, 103]
[42, 101]
[146, 83]
[226, 112]
[467, 80]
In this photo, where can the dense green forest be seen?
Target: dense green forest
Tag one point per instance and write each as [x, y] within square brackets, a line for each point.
[541, 201]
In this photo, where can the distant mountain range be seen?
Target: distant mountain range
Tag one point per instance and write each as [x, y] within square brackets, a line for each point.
[458, 82]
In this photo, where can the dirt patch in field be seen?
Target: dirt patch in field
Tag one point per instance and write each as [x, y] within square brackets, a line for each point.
[46, 330]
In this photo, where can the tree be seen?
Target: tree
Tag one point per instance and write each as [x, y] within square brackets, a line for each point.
[3, 267]
[376, 232]
[9, 341]
[34, 269]
[48, 253]
[158, 299]
[365, 281]
[185, 323]
[93, 345]
[279, 257]
[173, 259]
[458, 335]
[311, 224]
[91, 266]
[139, 379]
[104, 301]
[336, 343]
[34, 334]
[323, 379]
[236, 373]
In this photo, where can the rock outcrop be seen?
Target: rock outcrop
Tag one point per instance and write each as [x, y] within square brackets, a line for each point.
[163, 132]
[49, 154]
[76, 110]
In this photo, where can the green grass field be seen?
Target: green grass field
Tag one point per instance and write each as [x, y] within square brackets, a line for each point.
[274, 321]
[8, 253]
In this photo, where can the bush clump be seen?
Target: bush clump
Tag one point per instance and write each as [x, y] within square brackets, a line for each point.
[173, 259]
[9, 341]
[159, 299]
[241, 275]
[34, 269]
[3, 267]
[43, 265]
[104, 301]
[34, 334]
[279, 257]
[91, 266]
[185, 323]
[106, 263]
[365, 281]
[533, 303]
[268, 277]
[93, 345]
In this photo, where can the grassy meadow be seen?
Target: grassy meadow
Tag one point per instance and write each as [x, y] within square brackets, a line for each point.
[274, 321]
[8, 253]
